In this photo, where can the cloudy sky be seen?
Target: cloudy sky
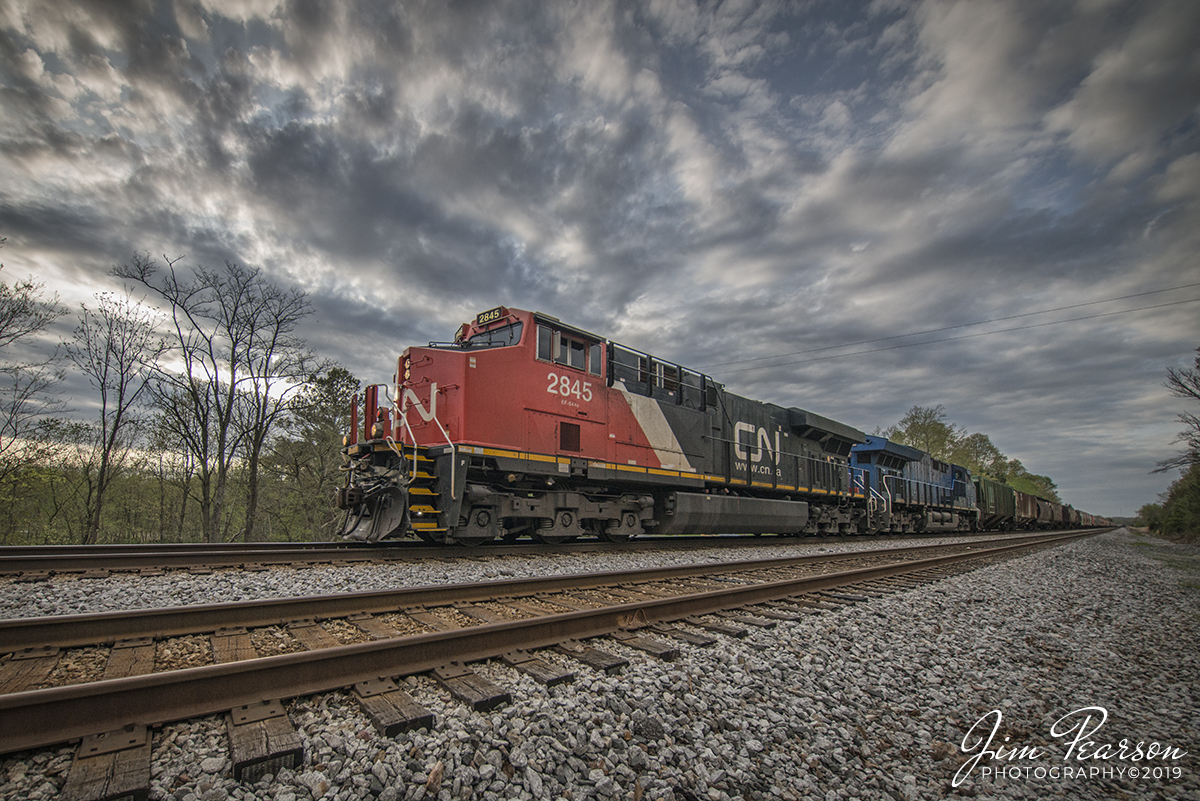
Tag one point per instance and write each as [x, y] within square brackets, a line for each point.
[768, 191]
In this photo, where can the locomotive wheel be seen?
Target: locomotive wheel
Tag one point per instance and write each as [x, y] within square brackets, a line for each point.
[628, 526]
[482, 526]
[565, 526]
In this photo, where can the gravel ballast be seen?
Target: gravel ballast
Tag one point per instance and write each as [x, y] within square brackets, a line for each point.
[872, 701]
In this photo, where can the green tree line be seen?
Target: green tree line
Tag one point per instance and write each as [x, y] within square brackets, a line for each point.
[208, 418]
[1177, 515]
[928, 429]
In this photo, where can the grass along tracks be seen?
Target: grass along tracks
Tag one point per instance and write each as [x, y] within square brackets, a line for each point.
[652, 610]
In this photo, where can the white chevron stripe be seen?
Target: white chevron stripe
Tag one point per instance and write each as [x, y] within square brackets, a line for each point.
[657, 430]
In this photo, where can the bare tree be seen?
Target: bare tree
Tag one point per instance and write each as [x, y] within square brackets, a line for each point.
[23, 311]
[26, 400]
[117, 348]
[236, 360]
[276, 369]
[26, 383]
[1185, 383]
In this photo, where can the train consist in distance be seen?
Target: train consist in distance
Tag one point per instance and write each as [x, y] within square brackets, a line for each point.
[526, 426]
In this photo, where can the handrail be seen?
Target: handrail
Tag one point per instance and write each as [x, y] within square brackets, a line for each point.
[453, 449]
[453, 456]
[887, 506]
[412, 437]
[939, 489]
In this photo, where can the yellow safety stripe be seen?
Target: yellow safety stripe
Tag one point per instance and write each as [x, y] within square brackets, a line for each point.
[630, 468]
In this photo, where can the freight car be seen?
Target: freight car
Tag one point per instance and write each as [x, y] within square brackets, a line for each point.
[1006, 509]
[526, 426]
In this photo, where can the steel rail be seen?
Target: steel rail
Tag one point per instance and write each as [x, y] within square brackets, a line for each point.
[40, 718]
[64, 631]
[60, 559]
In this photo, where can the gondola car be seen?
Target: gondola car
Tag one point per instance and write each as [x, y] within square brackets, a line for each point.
[524, 425]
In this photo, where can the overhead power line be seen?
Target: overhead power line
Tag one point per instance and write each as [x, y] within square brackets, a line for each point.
[951, 339]
[954, 327]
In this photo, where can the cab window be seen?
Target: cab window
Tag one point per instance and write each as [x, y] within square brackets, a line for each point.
[500, 337]
[569, 351]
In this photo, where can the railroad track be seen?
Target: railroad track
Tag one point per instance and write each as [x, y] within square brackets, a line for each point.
[369, 640]
[40, 562]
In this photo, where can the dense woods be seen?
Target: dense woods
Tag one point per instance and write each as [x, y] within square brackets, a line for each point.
[207, 418]
[1178, 514]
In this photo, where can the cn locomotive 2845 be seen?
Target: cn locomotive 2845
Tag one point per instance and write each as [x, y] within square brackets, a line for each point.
[526, 426]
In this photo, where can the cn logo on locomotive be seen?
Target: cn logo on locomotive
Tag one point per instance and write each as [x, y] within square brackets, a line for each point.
[411, 399]
[761, 445]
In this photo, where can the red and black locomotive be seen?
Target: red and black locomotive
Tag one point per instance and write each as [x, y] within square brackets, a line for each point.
[526, 426]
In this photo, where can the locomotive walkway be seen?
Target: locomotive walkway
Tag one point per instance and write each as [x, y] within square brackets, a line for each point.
[401, 633]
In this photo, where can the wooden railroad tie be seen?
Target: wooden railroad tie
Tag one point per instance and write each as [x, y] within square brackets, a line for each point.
[592, 657]
[312, 635]
[130, 658]
[232, 645]
[26, 669]
[32, 577]
[110, 766]
[369, 624]
[680, 634]
[667, 653]
[718, 628]
[740, 617]
[390, 709]
[262, 740]
[541, 670]
[811, 603]
[433, 621]
[481, 614]
[772, 612]
[471, 688]
[841, 597]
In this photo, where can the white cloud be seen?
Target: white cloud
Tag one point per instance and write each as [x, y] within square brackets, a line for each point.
[708, 181]
[1138, 90]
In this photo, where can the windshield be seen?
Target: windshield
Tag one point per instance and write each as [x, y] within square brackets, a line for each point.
[496, 338]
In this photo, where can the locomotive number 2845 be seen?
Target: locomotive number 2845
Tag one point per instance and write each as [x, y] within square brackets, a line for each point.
[562, 385]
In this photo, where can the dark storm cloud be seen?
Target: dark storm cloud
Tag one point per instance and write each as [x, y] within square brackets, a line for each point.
[72, 229]
[712, 183]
